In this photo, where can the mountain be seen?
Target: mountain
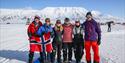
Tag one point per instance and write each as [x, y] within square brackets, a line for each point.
[74, 13]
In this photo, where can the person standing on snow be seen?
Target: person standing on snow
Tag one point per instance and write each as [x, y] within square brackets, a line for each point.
[57, 41]
[46, 34]
[78, 41]
[92, 38]
[67, 40]
[34, 39]
[109, 26]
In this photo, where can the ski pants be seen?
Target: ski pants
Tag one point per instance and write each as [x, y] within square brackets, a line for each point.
[94, 45]
[109, 28]
[57, 49]
[67, 51]
[78, 51]
[47, 52]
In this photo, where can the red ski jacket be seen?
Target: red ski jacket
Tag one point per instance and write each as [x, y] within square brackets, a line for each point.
[33, 38]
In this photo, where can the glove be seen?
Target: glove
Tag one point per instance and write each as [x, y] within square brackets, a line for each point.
[99, 41]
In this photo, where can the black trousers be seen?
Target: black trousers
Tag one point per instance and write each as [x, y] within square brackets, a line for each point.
[78, 51]
[57, 49]
[109, 29]
[67, 51]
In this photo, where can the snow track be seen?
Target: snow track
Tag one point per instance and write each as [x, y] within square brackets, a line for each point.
[14, 44]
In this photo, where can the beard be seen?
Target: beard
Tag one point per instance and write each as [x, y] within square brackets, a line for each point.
[77, 25]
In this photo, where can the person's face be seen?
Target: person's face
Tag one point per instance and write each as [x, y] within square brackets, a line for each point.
[48, 22]
[67, 22]
[37, 20]
[58, 24]
[89, 17]
[77, 23]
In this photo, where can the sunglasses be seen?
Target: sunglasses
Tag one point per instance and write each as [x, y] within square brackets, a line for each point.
[76, 22]
[58, 22]
[47, 20]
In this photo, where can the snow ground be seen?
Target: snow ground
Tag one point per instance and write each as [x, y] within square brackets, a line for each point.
[14, 44]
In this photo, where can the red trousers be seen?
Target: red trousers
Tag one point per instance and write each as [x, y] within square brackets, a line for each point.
[94, 45]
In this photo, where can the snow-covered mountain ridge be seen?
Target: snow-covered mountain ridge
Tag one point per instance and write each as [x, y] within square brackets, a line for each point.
[74, 13]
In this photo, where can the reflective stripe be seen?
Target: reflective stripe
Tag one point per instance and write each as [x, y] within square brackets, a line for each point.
[36, 43]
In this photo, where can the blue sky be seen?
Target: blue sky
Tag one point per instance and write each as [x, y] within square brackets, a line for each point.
[113, 7]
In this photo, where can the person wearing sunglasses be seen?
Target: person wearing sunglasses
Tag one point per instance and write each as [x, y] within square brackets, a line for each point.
[57, 41]
[46, 34]
[67, 40]
[92, 38]
[78, 41]
[34, 39]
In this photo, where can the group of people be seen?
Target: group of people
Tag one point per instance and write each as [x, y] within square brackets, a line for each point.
[64, 39]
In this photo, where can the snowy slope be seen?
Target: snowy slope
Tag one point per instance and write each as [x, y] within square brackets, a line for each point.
[14, 44]
[74, 13]
[113, 44]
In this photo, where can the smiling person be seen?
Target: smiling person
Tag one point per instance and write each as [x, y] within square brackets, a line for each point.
[92, 38]
[57, 41]
[34, 39]
[67, 40]
[46, 34]
[78, 41]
